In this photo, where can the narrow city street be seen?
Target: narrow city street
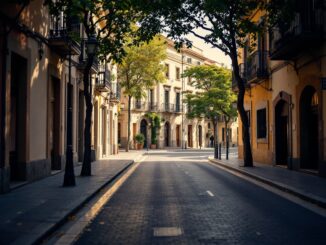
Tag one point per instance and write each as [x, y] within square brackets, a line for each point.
[177, 197]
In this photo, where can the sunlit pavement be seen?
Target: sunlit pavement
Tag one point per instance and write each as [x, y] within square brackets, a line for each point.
[176, 197]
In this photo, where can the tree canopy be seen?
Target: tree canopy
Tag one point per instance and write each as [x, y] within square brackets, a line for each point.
[142, 67]
[214, 84]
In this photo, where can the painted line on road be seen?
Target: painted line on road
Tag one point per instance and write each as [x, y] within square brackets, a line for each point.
[210, 193]
[77, 228]
[308, 205]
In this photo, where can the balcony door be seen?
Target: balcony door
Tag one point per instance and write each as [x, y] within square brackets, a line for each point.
[18, 118]
[166, 100]
[177, 102]
[54, 123]
[309, 143]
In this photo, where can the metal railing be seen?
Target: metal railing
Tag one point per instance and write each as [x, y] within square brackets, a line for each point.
[307, 25]
[256, 66]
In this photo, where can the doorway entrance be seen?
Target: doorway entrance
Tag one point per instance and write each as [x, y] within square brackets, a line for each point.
[18, 112]
[167, 134]
[190, 136]
[178, 135]
[282, 132]
[54, 120]
[104, 131]
[309, 147]
[80, 126]
[200, 136]
[143, 130]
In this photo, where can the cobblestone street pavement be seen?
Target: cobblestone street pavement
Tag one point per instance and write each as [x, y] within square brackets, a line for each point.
[176, 197]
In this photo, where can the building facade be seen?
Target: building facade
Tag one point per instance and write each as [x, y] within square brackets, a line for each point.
[166, 99]
[285, 97]
[39, 79]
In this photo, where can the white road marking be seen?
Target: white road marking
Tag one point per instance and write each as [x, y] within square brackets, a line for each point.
[167, 231]
[210, 193]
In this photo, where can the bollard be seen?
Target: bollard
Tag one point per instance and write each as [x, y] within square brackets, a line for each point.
[220, 152]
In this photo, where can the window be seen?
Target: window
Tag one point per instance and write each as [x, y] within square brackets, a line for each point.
[209, 125]
[177, 102]
[151, 99]
[223, 133]
[166, 100]
[177, 73]
[198, 63]
[167, 70]
[189, 60]
[189, 80]
[261, 124]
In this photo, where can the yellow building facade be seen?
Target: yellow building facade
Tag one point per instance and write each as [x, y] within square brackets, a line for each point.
[285, 93]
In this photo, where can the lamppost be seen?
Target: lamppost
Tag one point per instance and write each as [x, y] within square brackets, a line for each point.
[69, 177]
[215, 122]
[91, 47]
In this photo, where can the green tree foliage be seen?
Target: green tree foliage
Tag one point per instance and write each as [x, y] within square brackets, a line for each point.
[225, 24]
[215, 97]
[155, 120]
[110, 23]
[140, 70]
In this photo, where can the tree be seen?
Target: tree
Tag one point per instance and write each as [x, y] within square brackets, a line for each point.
[215, 97]
[107, 23]
[226, 23]
[140, 70]
[155, 124]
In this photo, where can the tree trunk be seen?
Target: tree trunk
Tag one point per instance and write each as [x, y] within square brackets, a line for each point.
[129, 119]
[86, 168]
[247, 155]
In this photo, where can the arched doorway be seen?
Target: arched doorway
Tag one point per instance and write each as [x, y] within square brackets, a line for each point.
[281, 132]
[200, 136]
[309, 147]
[143, 130]
[167, 134]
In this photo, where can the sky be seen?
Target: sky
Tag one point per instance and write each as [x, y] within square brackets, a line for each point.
[212, 53]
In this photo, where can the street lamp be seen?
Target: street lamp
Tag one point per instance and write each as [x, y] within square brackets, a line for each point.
[215, 122]
[91, 46]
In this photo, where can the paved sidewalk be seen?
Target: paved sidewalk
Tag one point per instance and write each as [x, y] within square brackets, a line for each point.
[308, 187]
[30, 212]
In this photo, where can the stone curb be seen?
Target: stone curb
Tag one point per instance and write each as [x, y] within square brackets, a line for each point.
[321, 202]
[60, 222]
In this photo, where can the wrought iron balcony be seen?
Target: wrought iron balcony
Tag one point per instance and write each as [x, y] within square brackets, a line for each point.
[144, 106]
[115, 93]
[168, 107]
[62, 33]
[306, 29]
[102, 83]
[256, 66]
[178, 108]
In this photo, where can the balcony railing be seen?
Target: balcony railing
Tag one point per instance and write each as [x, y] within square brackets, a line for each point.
[63, 32]
[305, 29]
[256, 66]
[144, 106]
[102, 83]
[168, 107]
[115, 93]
